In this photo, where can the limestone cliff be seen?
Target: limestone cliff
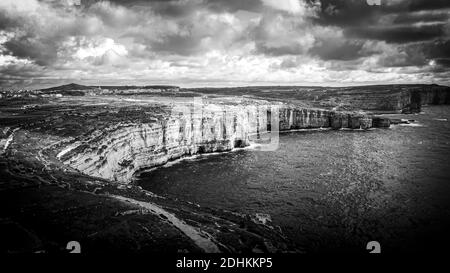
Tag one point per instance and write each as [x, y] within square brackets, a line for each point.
[117, 152]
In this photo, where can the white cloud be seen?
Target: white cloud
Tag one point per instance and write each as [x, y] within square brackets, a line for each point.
[6, 60]
[20, 6]
[293, 6]
[98, 48]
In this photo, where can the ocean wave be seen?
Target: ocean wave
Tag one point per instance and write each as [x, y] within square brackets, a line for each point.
[412, 125]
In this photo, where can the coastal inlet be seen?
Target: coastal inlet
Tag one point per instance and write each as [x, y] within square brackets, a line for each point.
[332, 190]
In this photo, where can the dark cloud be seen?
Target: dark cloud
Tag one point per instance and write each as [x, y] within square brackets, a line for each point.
[339, 49]
[414, 17]
[398, 34]
[405, 56]
[351, 12]
[169, 8]
[234, 5]
[443, 62]
[347, 13]
[172, 8]
[436, 49]
[217, 5]
[419, 54]
[26, 43]
[420, 5]
[28, 47]
[39, 34]
[280, 50]
[177, 44]
[12, 71]
[393, 22]
[181, 8]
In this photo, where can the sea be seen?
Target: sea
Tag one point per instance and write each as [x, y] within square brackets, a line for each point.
[333, 190]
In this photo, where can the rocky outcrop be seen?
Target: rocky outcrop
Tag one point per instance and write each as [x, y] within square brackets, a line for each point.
[381, 122]
[119, 151]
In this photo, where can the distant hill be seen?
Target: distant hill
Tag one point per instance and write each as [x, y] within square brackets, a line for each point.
[77, 87]
[68, 87]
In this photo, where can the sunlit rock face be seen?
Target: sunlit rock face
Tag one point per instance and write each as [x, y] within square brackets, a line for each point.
[123, 149]
[292, 118]
[118, 153]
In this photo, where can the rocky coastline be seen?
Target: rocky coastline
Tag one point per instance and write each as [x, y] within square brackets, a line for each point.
[68, 164]
[117, 152]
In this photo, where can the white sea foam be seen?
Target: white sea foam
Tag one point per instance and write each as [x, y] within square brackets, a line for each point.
[264, 218]
[308, 130]
[412, 125]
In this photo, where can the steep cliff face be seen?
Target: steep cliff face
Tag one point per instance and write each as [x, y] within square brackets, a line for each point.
[435, 95]
[293, 118]
[119, 151]
[411, 100]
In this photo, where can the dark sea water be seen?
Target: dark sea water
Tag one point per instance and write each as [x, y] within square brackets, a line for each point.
[333, 190]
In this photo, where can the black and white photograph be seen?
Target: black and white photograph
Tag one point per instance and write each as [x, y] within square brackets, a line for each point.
[250, 128]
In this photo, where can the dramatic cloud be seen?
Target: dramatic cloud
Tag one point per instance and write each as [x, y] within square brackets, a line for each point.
[223, 42]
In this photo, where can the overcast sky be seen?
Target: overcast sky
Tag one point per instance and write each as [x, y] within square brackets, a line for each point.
[223, 43]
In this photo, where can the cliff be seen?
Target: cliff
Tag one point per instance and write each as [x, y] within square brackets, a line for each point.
[118, 151]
